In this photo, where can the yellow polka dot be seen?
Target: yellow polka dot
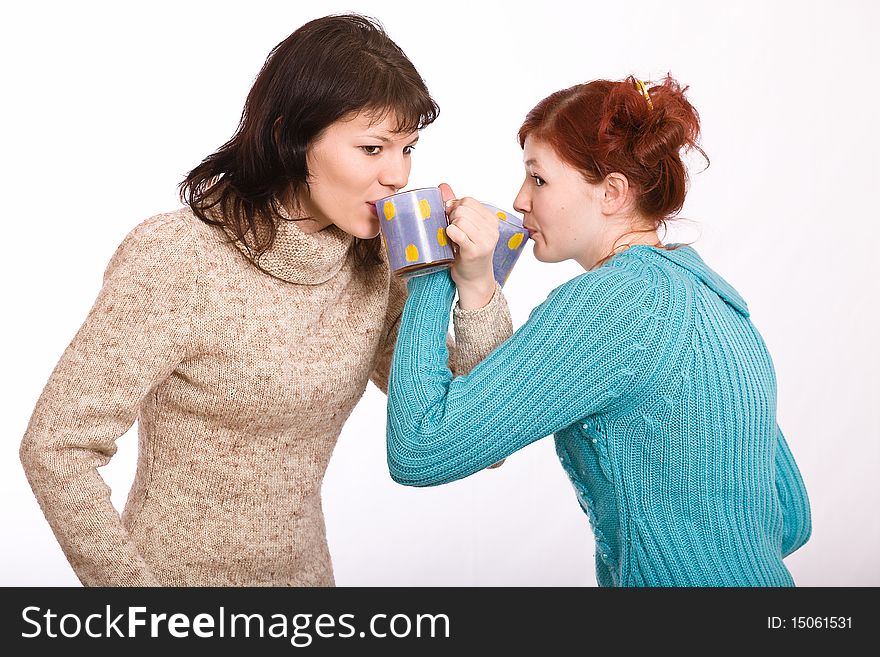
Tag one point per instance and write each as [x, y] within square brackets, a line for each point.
[441, 237]
[424, 209]
[388, 209]
[412, 253]
[514, 242]
[501, 215]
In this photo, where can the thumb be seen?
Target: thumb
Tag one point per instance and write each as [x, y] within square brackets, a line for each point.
[446, 192]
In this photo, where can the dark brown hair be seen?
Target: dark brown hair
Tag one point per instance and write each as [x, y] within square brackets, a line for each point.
[327, 69]
[605, 126]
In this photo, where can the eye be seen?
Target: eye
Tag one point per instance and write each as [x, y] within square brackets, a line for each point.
[371, 150]
[408, 149]
[539, 181]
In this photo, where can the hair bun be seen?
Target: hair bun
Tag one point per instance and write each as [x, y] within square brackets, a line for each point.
[670, 123]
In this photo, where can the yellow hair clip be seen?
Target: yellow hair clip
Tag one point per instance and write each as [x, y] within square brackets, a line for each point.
[641, 87]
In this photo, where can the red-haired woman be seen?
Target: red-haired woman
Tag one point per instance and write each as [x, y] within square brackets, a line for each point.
[659, 389]
[241, 330]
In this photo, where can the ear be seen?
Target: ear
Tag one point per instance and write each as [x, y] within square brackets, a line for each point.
[615, 190]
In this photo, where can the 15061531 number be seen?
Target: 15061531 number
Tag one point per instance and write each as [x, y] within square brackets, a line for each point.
[821, 622]
[809, 622]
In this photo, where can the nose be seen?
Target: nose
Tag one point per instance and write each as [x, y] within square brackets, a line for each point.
[395, 173]
[522, 203]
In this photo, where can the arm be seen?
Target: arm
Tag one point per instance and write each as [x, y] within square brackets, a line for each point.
[132, 339]
[593, 340]
[477, 333]
[797, 524]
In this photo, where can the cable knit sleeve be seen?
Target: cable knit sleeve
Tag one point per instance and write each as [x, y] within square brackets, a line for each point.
[797, 524]
[132, 339]
[594, 339]
[477, 332]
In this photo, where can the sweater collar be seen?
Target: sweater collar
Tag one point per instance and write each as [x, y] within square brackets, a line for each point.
[303, 258]
[687, 258]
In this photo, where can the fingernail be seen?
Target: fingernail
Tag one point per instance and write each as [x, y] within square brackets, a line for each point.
[448, 203]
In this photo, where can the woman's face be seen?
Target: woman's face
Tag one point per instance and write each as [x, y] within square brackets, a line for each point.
[354, 162]
[561, 210]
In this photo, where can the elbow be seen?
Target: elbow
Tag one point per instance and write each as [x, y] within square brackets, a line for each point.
[804, 520]
[31, 454]
[400, 476]
[794, 544]
[413, 440]
[45, 457]
[798, 533]
[410, 478]
[806, 533]
[399, 473]
[805, 530]
[406, 472]
[37, 462]
[407, 465]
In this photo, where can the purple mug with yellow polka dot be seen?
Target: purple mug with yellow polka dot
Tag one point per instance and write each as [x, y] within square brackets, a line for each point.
[413, 227]
[512, 238]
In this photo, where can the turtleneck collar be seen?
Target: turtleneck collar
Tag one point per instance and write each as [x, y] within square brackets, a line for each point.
[303, 258]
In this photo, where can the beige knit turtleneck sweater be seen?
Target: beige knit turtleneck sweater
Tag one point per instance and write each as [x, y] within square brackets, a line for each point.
[240, 383]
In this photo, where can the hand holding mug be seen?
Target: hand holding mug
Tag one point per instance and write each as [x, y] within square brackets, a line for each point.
[473, 229]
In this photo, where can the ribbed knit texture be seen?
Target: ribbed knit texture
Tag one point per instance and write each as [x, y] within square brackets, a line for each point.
[662, 398]
[240, 382]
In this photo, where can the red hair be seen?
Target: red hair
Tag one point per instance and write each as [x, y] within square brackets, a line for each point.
[605, 126]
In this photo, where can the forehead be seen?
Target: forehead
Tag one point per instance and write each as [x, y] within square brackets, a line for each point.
[382, 124]
[537, 152]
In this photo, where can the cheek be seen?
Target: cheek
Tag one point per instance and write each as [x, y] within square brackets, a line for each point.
[343, 179]
[362, 184]
[349, 183]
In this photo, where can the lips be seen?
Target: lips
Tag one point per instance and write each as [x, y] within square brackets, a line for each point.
[531, 231]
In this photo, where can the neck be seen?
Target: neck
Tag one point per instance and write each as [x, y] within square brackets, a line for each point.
[310, 225]
[621, 242]
[307, 221]
[297, 256]
[645, 236]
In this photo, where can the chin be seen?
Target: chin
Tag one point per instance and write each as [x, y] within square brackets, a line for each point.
[371, 230]
[364, 228]
[541, 256]
[367, 232]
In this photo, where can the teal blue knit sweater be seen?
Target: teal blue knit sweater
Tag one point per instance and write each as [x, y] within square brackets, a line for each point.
[662, 398]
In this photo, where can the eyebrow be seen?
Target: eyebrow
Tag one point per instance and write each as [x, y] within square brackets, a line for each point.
[387, 140]
[530, 162]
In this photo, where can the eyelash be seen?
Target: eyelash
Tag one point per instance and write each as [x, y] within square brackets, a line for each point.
[367, 149]
[539, 181]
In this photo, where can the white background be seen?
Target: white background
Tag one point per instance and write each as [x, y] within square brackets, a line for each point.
[107, 106]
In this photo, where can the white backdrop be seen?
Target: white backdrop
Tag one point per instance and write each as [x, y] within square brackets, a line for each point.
[106, 106]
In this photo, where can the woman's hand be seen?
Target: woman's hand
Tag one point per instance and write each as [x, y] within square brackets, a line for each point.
[473, 230]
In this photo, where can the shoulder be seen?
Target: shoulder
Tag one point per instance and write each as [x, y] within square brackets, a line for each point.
[654, 277]
[626, 295]
[614, 283]
[167, 228]
[166, 241]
